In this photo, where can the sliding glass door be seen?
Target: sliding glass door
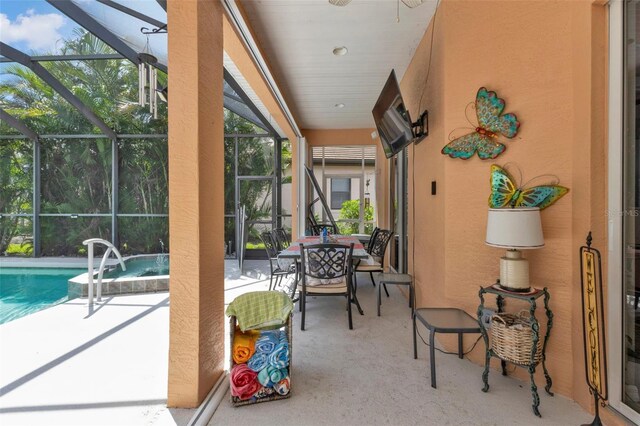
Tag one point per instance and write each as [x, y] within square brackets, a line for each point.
[630, 213]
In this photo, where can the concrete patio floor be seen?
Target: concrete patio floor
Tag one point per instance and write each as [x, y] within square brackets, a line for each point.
[62, 367]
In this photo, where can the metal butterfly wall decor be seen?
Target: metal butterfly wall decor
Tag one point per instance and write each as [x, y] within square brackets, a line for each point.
[491, 124]
[506, 193]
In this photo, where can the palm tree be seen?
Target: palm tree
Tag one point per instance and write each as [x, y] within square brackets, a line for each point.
[76, 173]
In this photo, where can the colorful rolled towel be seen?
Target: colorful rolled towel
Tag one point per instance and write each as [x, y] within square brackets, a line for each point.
[258, 361]
[264, 392]
[279, 358]
[283, 337]
[244, 382]
[244, 345]
[268, 341]
[269, 376]
[283, 386]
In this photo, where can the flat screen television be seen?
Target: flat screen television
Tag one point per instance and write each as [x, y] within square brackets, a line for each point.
[392, 118]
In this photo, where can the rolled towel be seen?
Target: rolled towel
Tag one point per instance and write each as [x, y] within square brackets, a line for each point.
[269, 376]
[264, 392]
[244, 345]
[244, 382]
[263, 378]
[284, 338]
[283, 386]
[279, 358]
[258, 361]
[268, 341]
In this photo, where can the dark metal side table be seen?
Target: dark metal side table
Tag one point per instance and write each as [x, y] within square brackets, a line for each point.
[442, 320]
[530, 297]
[395, 279]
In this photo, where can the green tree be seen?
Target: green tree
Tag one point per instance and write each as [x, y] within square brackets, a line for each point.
[351, 210]
[255, 157]
[76, 173]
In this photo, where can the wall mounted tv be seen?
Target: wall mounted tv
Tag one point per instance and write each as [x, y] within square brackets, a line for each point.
[392, 119]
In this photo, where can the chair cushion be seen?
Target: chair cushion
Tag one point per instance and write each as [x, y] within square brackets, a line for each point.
[330, 288]
[312, 282]
[369, 264]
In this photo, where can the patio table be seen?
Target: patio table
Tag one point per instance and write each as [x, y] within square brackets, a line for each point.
[293, 252]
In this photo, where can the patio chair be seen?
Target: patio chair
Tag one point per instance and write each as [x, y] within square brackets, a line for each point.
[282, 239]
[375, 262]
[277, 271]
[317, 228]
[326, 271]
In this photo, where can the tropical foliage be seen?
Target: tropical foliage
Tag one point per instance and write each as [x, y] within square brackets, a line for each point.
[351, 210]
[255, 157]
[76, 174]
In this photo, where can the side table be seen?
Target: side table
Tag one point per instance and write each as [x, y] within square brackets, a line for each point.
[395, 279]
[531, 297]
[442, 320]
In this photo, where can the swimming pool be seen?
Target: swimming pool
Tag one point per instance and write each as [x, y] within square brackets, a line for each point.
[146, 273]
[141, 266]
[24, 291]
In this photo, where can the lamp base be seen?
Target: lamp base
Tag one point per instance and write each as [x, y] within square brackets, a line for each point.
[515, 290]
[514, 272]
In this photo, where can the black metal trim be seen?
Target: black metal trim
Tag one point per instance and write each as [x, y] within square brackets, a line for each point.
[236, 88]
[132, 12]
[47, 77]
[57, 58]
[74, 12]
[17, 124]
[36, 185]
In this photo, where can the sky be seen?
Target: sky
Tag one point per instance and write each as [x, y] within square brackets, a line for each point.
[33, 26]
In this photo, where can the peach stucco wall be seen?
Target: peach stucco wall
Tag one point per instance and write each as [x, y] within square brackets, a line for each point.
[196, 203]
[547, 60]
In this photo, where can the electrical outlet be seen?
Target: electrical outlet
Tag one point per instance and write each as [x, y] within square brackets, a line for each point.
[486, 317]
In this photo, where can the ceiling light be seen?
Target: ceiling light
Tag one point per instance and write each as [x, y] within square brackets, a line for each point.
[339, 2]
[340, 51]
[340, 105]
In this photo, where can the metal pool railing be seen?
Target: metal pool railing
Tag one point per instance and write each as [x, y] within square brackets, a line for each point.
[110, 248]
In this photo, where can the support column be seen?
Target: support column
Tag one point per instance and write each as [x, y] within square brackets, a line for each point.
[196, 200]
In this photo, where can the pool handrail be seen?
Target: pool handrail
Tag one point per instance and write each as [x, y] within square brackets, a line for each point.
[110, 249]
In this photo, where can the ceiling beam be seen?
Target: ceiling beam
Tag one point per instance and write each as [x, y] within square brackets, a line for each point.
[132, 12]
[53, 58]
[17, 124]
[24, 59]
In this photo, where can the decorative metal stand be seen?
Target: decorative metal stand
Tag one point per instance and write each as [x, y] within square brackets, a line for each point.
[530, 297]
[595, 357]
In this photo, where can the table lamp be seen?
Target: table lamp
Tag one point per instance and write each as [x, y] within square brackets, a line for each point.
[514, 229]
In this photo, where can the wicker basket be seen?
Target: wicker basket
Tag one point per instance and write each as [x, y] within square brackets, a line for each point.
[237, 402]
[512, 338]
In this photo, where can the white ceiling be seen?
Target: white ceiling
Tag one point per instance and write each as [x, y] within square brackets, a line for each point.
[297, 38]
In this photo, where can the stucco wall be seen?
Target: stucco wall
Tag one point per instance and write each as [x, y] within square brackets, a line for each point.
[546, 59]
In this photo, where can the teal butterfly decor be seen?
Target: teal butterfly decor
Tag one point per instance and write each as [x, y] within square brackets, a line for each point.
[491, 124]
[505, 192]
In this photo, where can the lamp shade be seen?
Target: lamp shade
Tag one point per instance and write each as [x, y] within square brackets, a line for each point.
[518, 228]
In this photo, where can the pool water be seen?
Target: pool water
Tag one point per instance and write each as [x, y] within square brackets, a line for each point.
[141, 266]
[24, 291]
